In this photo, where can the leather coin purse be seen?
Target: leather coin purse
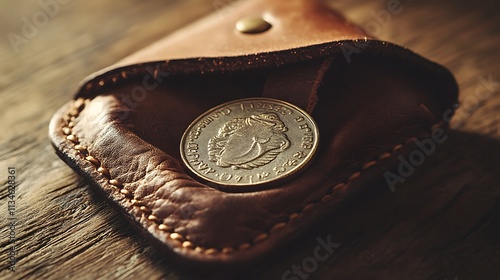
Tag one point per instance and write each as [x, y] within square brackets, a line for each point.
[372, 102]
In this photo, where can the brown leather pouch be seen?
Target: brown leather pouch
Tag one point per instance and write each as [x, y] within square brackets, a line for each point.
[373, 101]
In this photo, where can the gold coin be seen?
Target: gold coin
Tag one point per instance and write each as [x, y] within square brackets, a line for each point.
[249, 142]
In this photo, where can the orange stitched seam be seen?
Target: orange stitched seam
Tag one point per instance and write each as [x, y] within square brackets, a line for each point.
[82, 150]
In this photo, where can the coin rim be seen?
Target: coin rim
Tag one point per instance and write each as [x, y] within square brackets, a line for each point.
[296, 171]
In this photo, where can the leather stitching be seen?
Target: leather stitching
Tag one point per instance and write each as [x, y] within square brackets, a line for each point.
[78, 106]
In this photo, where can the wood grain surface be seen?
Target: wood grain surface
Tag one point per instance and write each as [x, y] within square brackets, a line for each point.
[443, 222]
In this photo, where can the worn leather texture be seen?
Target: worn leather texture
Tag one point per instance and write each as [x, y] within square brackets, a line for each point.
[122, 130]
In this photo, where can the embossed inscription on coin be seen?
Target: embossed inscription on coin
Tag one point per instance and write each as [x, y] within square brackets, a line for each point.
[249, 142]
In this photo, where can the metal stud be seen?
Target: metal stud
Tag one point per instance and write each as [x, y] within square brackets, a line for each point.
[93, 160]
[79, 104]
[177, 236]
[199, 249]
[294, 216]
[164, 227]
[82, 149]
[308, 207]
[211, 251]
[126, 193]
[244, 246]
[104, 172]
[252, 25]
[66, 130]
[72, 138]
[187, 244]
[227, 250]
[369, 164]
[152, 218]
[145, 210]
[116, 183]
[261, 237]
[277, 227]
[355, 175]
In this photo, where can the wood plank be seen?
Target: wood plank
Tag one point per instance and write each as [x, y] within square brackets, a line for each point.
[443, 222]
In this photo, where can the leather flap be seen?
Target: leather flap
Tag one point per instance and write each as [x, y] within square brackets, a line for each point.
[295, 24]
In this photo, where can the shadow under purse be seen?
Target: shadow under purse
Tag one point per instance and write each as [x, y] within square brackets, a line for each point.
[371, 101]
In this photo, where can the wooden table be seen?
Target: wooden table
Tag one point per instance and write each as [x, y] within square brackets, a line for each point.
[443, 222]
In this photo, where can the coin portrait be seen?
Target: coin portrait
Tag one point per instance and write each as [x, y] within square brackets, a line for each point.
[249, 142]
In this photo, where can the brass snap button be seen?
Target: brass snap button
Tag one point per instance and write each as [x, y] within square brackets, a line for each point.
[252, 25]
